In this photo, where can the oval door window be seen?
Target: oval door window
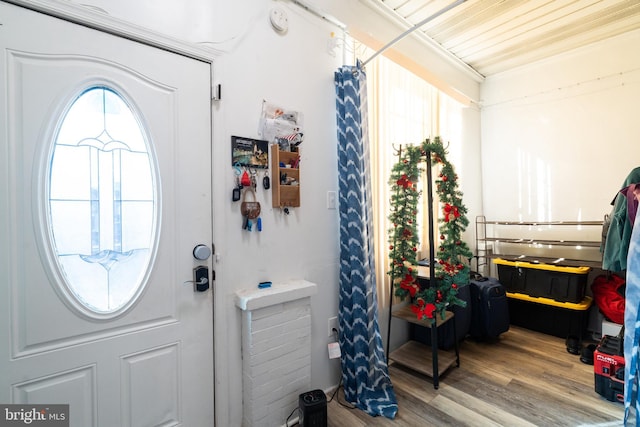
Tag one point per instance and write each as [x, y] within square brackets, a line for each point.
[102, 202]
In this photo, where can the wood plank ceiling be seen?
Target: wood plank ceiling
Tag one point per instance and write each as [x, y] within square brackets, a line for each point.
[492, 36]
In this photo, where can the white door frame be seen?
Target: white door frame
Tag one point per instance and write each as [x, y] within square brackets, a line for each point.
[79, 14]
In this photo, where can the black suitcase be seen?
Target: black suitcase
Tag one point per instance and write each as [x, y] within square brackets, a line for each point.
[489, 308]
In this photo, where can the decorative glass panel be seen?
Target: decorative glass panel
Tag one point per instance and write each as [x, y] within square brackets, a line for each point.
[102, 201]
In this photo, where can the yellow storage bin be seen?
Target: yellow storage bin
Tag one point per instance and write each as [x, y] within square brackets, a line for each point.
[556, 282]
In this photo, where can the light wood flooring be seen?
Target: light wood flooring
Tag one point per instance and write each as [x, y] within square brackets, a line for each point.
[524, 379]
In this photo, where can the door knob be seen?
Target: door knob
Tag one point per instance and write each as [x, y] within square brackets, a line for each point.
[201, 252]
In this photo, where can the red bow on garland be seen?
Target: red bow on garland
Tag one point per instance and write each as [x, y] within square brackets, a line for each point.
[404, 182]
[409, 284]
[450, 210]
[423, 310]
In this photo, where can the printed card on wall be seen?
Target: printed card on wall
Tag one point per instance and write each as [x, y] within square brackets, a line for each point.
[249, 152]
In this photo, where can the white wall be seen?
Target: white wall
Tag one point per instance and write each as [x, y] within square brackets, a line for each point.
[294, 70]
[466, 158]
[560, 136]
[558, 139]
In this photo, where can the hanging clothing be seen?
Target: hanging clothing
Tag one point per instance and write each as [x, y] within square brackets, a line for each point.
[364, 368]
[616, 247]
[608, 295]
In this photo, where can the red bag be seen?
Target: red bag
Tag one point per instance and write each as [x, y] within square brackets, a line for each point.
[607, 298]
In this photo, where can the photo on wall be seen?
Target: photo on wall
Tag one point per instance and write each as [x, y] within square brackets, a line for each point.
[249, 152]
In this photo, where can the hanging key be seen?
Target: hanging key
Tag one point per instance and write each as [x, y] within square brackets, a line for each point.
[237, 191]
[266, 182]
[254, 182]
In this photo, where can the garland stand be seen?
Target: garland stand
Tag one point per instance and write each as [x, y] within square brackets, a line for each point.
[432, 277]
[432, 251]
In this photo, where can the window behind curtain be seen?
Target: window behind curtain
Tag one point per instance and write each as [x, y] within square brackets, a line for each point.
[403, 109]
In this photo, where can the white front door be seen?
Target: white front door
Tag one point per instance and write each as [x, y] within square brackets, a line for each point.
[105, 190]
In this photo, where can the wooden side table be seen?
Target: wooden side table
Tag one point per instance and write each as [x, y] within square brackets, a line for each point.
[416, 356]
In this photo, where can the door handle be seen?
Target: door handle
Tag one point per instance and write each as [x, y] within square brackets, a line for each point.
[200, 278]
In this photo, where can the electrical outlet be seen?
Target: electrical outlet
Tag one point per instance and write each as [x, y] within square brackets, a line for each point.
[333, 324]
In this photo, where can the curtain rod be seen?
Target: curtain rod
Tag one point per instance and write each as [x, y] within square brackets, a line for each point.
[412, 29]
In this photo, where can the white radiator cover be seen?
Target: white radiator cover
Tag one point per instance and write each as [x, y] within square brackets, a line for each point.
[276, 350]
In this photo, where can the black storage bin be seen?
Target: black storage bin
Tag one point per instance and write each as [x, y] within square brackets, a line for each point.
[462, 321]
[560, 283]
[549, 316]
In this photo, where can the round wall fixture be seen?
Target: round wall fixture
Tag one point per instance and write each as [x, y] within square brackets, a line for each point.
[279, 20]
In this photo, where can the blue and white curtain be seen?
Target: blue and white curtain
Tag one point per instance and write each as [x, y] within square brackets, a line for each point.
[364, 369]
[632, 328]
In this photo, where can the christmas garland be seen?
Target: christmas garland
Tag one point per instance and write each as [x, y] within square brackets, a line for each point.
[450, 270]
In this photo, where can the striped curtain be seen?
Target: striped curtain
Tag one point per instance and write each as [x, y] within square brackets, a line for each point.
[364, 369]
[632, 329]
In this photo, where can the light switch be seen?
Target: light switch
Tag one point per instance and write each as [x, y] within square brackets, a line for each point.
[331, 200]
